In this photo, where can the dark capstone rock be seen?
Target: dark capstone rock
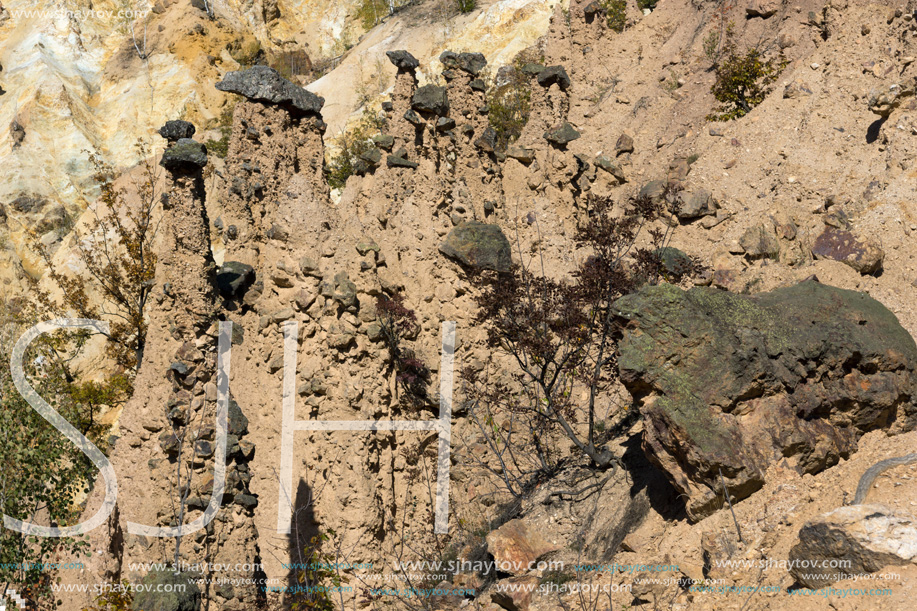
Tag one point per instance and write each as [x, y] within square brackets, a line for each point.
[552, 75]
[184, 155]
[384, 141]
[532, 69]
[264, 84]
[388, 106]
[168, 591]
[234, 278]
[414, 119]
[173, 131]
[800, 372]
[478, 85]
[594, 9]
[561, 135]
[472, 63]
[450, 75]
[399, 162]
[431, 98]
[444, 124]
[478, 245]
[488, 140]
[196, 502]
[843, 246]
[372, 156]
[237, 423]
[403, 60]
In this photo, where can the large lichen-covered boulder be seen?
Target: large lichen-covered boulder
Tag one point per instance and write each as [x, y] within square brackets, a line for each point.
[478, 245]
[264, 84]
[168, 591]
[729, 384]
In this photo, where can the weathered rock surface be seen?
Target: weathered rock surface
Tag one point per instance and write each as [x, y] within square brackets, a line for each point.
[869, 537]
[264, 84]
[730, 383]
[431, 98]
[185, 154]
[515, 546]
[173, 131]
[843, 246]
[478, 245]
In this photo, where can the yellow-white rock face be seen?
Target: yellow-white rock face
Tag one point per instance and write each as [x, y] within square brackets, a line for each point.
[81, 78]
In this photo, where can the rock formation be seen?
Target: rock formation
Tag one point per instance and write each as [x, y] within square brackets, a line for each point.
[729, 384]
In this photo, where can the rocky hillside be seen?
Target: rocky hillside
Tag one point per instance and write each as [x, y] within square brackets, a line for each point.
[80, 78]
[780, 375]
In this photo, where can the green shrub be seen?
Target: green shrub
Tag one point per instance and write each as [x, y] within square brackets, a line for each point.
[743, 80]
[650, 4]
[352, 144]
[221, 147]
[466, 6]
[615, 14]
[509, 107]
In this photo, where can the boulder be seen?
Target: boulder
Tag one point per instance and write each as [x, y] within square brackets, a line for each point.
[841, 245]
[432, 99]
[184, 155]
[562, 134]
[168, 591]
[515, 546]
[730, 383]
[237, 423]
[414, 119]
[264, 84]
[554, 75]
[404, 61]
[173, 131]
[478, 245]
[696, 204]
[868, 537]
